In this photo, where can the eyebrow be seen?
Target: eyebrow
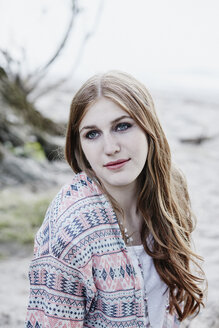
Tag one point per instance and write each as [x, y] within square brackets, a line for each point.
[88, 127]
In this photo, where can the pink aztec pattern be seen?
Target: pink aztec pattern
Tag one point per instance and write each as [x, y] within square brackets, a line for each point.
[81, 274]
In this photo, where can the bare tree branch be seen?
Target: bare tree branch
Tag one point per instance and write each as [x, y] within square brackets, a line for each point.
[62, 44]
[42, 71]
[87, 36]
[48, 89]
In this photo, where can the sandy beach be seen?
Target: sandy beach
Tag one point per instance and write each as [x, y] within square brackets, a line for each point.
[183, 120]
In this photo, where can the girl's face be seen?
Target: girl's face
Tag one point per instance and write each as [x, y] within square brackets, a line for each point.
[113, 143]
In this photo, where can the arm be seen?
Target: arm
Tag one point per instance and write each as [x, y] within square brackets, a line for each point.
[59, 294]
[61, 290]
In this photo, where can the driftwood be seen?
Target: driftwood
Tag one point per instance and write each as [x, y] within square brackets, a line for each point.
[196, 140]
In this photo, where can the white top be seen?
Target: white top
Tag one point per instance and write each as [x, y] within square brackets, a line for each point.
[155, 290]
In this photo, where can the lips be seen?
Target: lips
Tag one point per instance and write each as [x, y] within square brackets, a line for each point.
[116, 164]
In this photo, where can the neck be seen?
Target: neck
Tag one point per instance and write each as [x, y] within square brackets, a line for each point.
[126, 197]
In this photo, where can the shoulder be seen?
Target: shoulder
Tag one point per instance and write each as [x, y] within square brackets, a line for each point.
[70, 215]
[80, 187]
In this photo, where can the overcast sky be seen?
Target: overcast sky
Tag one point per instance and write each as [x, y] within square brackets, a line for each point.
[173, 42]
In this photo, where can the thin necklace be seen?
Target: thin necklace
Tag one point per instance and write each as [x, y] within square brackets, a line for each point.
[128, 237]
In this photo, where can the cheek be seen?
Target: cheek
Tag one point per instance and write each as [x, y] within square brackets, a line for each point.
[89, 153]
[141, 147]
[140, 142]
[85, 150]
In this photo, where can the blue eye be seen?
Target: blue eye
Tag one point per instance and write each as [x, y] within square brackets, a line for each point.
[92, 134]
[123, 126]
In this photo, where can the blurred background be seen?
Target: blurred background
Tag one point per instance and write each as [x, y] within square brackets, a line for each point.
[47, 50]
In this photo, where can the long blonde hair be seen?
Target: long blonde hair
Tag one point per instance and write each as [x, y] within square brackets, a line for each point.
[163, 199]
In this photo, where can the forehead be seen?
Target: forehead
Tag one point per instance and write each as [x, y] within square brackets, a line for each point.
[103, 110]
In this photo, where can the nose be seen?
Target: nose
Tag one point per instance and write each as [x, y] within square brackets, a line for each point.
[111, 145]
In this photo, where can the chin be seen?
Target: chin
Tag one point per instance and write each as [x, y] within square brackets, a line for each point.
[120, 182]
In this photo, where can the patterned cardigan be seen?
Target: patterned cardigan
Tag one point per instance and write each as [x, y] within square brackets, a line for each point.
[81, 274]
